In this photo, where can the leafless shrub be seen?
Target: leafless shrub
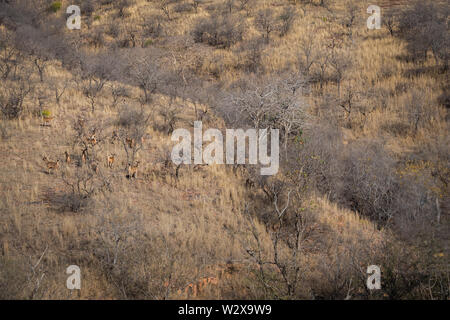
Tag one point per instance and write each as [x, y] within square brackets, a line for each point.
[424, 26]
[390, 21]
[119, 92]
[165, 6]
[97, 39]
[170, 115]
[92, 89]
[287, 17]
[403, 274]
[96, 73]
[221, 31]
[341, 63]
[266, 22]
[323, 3]
[279, 269]
[153, 26]
[245, 5]
[59, 88]
[350, 16]
[113, 29]
[309, 52]
[418, 110]
[82, 184]
[9, 55]
[12, 98]
[146, 74]
[133, 123]
[88, 178]
[88, 7]
[324, 53]
[251, 50]
[269, 103]
[183, 7]
[40, 46]
[396, 128]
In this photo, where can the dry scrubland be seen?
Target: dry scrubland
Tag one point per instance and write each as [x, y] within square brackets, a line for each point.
[363, 180]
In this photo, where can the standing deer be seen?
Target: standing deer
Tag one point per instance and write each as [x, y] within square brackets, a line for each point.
[130, 142]
[47, 120]
[51, 165]
[111, 160]
[83, 156]
[67, 157]
[133, 170]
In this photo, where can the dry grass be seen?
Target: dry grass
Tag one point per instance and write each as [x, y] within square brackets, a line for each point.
[179, 231]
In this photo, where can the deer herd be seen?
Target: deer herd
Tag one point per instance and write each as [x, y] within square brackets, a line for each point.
[132, 168]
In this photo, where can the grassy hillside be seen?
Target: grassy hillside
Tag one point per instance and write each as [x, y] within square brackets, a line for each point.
[364, 152]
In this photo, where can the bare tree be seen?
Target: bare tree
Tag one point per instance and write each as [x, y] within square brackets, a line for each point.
[245, 5]
[424, 26]
[229, 5]
[59, 88]
[390, 20]
[350, 14]
[279, 270]
[170, 114]
[9, 55]
[164, 5]
[266, 22]
[119, 92]
[96, 72]
[287, 17]
[145, 72]
[12, 98]
[132, 124]
[308, 52]
[92, 89]
[218, 30]
[276, 103]
[36, 275]
[341, 62]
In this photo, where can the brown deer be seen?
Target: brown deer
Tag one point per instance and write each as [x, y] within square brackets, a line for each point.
[114, 137]
[83, 156]
[249, 183]
[51, 165]
[130, 142]
[92, 140]
[111, 160]
[68, 160]
[133, 170]
[47, 120]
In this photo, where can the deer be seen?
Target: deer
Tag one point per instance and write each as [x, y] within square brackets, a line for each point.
[249, 183]
[114, 137]
[47, 120]
[132, 170]
[130, 142]
[83, 156]
[51, 165]
[111, 160]
[68, 160]
[92, 140]
[94, 166]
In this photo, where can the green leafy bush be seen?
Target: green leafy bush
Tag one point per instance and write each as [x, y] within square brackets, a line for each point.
[46, 113]
[55, 6]
[148, 42]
